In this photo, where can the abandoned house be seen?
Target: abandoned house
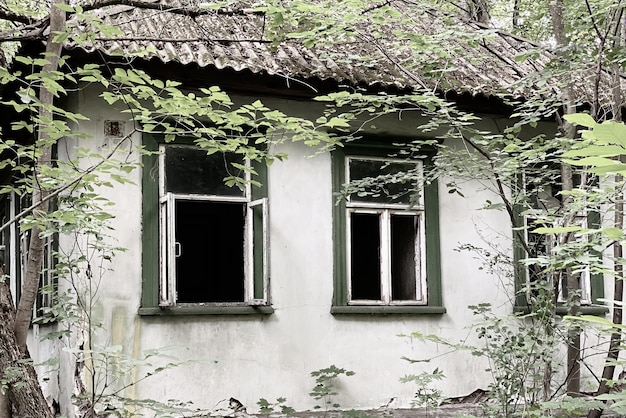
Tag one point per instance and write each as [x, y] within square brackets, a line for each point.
[254, 288]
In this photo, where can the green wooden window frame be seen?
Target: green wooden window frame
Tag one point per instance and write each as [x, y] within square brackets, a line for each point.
[152, 298]
[596, 280]
[14, 245]
[341, 304]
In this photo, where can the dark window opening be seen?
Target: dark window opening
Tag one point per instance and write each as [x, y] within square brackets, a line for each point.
[365, 256]
[190, 170]
[384, 181]
[403, 257]
[210, 253]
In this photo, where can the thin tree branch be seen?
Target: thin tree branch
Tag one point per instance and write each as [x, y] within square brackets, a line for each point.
[507, 203]
[179, 40]
[10, 16]
[63, 188]
[593, 21]
[385, 53]
[376, 6]
[191, 11]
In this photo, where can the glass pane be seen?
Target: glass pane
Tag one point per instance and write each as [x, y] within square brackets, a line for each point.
[190, 170]
[380, 181]
[210, 253]
[365, 256]
[404, 258]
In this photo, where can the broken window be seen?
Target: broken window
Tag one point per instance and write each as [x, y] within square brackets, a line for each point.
[213, 246]
[385, 232]
[542, 247]
[544, 203]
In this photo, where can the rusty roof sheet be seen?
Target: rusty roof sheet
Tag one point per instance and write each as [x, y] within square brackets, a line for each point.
[483, 63]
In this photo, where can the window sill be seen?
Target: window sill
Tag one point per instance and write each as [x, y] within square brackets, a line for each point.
[598, 310]
[207, 310]
[387, 310]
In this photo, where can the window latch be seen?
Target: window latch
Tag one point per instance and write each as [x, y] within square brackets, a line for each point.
[178, 249]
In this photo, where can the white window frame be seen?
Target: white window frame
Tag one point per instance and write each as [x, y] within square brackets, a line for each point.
[168, 247]
[249, 286]
[385, 211]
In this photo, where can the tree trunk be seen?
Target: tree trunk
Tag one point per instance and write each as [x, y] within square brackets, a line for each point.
[24, 392]
[515, 18]
[479, 11]
[25, 400]
[30, 285]
[573, 337]
[612, 355]
[616, 337]
[573, 285]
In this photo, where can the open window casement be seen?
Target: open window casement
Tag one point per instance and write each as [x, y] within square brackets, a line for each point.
[257, 239]
[213, 238]
[167, 282]
[385, 233]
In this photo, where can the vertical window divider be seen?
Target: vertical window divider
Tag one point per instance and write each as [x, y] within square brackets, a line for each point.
[348, 216]
[385, 256]
[248, 285]
[15, 285]
[251, 283]
[168, 252]
[422, 287]
[266, 249]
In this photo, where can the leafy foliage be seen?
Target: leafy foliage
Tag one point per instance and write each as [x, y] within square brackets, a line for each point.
[426, 395]
[522, 349]
[279, 406]
[325, 388]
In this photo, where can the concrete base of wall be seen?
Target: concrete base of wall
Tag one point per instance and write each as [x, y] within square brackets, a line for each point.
[444, 411]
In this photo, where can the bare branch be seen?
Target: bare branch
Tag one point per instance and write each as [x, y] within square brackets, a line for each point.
[191, 11]
[181, 40]
[593, 20]
[66, 186]
[10, 16]
[367, 39]
[376, 6]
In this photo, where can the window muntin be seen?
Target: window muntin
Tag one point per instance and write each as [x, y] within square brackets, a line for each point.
[385, 234]
[213, 237]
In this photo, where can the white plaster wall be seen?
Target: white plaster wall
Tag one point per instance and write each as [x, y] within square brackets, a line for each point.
[252, 357]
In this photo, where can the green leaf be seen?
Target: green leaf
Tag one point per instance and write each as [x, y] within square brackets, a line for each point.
[611, 133]
[336, 122]
[596, 151]
[592, 161]
[595, 320]
[24, 60]
[613, 233]
[65, 7]
[582, 119]
[557, 229]
[511, 148]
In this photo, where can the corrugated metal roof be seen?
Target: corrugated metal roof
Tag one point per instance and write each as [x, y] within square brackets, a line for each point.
[486, 65]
